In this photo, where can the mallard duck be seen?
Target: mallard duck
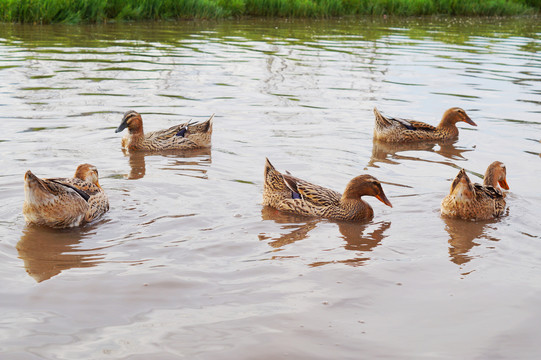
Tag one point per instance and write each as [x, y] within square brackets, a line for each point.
[476, 201]
[287, 193]
[399, 130]
[64, 202]
[185, 136]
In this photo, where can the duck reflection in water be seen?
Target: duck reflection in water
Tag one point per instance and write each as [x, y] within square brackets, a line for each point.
[389, 152]
[358, 241]
[463, 235]
[187, 162]
[297, 227]
[47, 252]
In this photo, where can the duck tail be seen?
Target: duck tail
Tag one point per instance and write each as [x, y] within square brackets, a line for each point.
[199, 127]
[273, 178]
[36, 190]
[381, 121]
[268, 167]
[208, 124]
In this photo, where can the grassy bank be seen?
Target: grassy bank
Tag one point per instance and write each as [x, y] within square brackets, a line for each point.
[76, 11]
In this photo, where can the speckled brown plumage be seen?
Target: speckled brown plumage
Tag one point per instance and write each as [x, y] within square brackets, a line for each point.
[64, 202]
[287, 193]
[475, 201]
[398, 130]
[185, 136]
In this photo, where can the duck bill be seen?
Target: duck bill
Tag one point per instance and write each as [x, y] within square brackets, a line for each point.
[122, 126]
[469, 121]
[503, 184]
[381, 197]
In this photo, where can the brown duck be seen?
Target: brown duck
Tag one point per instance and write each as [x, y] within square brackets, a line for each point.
[64, 202]
[476, 201]
[397, 130]
[287, 193]
[185, 136]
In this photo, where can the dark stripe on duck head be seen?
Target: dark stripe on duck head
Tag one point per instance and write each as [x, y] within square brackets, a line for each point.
[124, 123]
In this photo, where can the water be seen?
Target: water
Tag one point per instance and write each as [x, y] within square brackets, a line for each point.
[188, 264]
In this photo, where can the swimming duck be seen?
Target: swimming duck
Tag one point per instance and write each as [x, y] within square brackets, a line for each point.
[64, 202]
[476, 201]
[185, 136]
[397, 130]
[287, 193]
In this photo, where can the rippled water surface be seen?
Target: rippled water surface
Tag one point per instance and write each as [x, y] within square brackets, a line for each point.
[188, 264]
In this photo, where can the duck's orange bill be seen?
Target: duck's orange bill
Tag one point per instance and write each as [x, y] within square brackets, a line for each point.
[469, 121]
[503, 184]
[381, 197]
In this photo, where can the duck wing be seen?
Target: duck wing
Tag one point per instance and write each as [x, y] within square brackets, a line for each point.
[405, 124]
[67, 185]
[387, 121]
[314, 194]
[167, 134]
[96, 198]
[419, 125]
[491, 195]
[79, 184]
[489, 191]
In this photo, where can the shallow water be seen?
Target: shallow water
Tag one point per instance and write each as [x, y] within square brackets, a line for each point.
[187, 263]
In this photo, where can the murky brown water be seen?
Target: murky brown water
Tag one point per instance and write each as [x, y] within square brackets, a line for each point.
[188, 264]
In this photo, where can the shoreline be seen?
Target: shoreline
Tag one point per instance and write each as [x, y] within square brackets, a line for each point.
[112, 11]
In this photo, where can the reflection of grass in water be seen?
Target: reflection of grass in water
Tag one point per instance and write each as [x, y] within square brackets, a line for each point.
[75, 11]
[244, 181]
[32, 129]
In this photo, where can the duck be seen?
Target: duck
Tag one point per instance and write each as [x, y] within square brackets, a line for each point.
[186, 136]
[64, 202]
[396, 130]
[470, 201]
[290, 194]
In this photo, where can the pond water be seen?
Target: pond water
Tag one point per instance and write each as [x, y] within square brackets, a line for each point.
[188, 264]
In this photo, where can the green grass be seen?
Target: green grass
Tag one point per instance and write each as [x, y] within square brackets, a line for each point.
[77, 11]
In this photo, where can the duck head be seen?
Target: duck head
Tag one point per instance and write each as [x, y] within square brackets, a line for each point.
[88, 173]
[131, 120]
[454, 115]
[462, 187]
[365, 185]
[496, 175]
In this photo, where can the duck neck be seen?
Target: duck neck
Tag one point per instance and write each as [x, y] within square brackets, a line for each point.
[490, 179]
[137, 135]
[448, 127]
[348, 200]
[357, 206]
[350, 196]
